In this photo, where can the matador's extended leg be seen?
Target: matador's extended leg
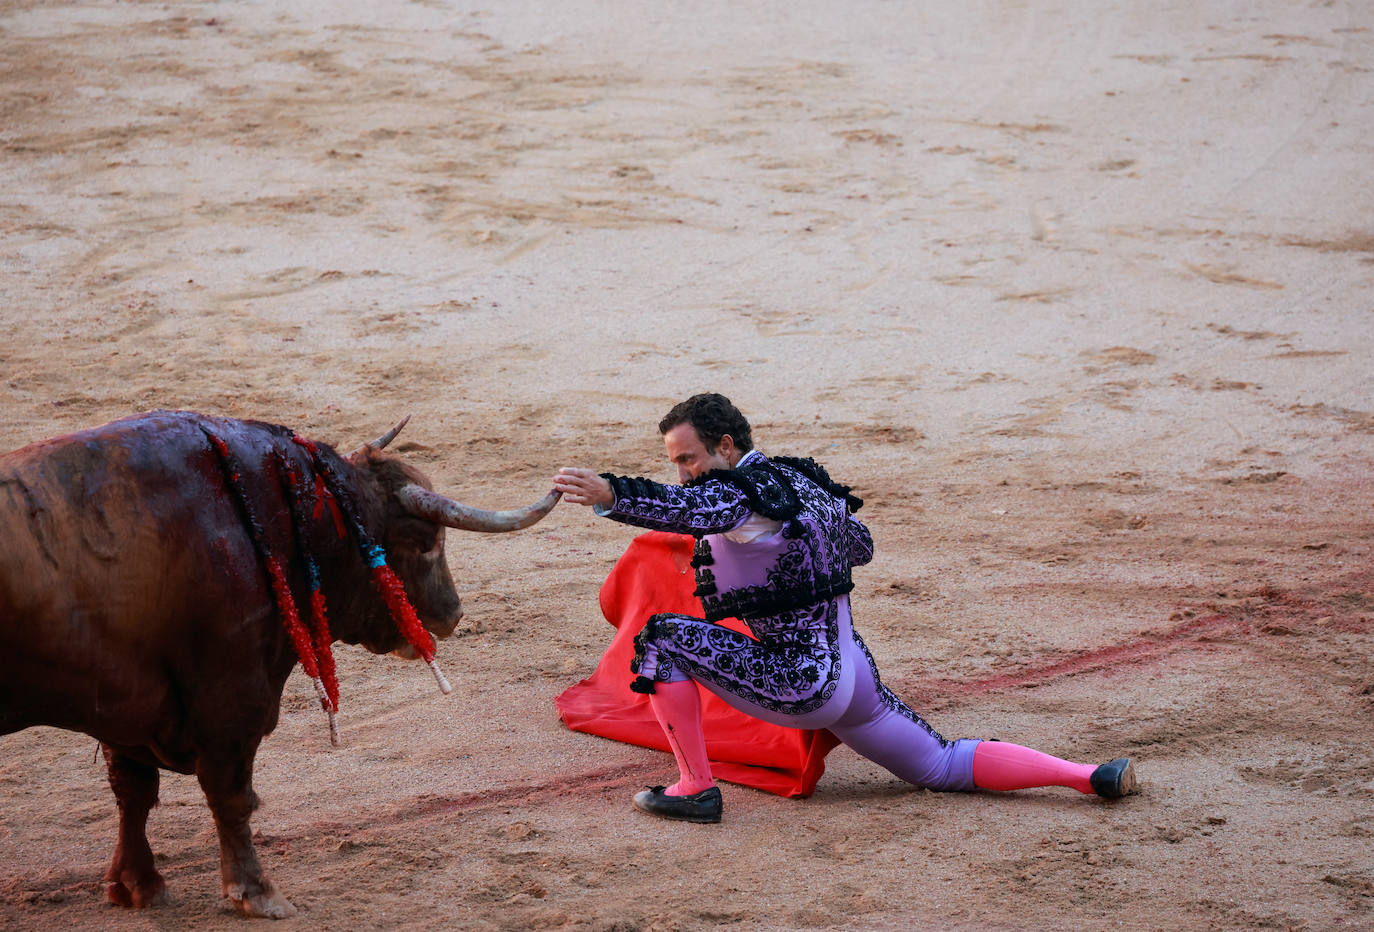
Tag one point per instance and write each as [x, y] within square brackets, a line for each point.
[882, 728]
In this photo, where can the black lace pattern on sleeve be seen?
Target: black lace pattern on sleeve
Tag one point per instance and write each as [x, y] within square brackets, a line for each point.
[709, 509]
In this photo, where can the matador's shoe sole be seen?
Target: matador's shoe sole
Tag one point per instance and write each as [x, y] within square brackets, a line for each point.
[705, 806]
[1114, 779]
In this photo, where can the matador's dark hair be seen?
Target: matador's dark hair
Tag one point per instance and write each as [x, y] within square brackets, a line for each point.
[713, 416]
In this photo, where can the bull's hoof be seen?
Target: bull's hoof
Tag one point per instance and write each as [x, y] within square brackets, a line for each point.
[267, 903]
[149, 892]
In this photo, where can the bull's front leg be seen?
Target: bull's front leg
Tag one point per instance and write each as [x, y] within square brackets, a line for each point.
[132, 880]
[228, 784]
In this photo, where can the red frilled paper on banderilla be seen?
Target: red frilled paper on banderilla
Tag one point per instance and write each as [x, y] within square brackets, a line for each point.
[655, 575]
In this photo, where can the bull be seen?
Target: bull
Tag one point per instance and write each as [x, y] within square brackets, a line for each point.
[136, 606]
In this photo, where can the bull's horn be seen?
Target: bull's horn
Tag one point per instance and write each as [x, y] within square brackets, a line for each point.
[381, 442]
[422, 503]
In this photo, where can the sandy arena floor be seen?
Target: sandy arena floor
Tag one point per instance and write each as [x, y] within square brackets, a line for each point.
[1076, 294]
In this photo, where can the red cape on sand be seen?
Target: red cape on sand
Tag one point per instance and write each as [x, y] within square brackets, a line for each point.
[655, 575]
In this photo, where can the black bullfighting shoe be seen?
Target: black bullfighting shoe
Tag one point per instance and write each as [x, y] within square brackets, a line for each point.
[705, 806]
[1114, 779]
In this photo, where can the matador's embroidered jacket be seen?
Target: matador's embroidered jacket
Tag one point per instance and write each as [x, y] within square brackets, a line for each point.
[785, 583]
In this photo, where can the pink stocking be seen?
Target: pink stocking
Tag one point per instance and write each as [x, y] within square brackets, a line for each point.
[677, 706]
[1001, 766]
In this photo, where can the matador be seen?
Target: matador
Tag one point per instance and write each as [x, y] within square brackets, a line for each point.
[776, 540]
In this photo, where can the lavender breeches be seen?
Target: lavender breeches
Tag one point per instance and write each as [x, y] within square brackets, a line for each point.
[861, 712]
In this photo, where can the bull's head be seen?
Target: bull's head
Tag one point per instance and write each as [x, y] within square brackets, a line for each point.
[413, 536]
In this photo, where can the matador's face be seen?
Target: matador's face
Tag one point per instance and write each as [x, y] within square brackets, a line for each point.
[692, 457]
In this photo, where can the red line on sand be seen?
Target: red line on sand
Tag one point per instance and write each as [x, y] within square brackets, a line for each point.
[1333, 606]
[564, 785]
[1145, 647]
[428, 807]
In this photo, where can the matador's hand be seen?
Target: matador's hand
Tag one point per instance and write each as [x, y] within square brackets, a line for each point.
[583, 487]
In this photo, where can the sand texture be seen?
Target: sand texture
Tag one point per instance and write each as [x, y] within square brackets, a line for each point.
[1076, 294]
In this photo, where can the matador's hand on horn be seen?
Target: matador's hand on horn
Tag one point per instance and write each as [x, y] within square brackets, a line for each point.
[583, 487]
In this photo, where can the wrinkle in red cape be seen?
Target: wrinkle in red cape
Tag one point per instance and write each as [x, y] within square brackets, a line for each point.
[654, 575]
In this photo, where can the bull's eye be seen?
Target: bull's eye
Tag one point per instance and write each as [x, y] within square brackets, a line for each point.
[422, 539]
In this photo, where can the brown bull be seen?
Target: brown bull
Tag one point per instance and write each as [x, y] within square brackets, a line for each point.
[135, 605]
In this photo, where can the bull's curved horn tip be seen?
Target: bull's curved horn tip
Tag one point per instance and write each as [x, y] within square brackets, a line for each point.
[424, 503]
[381, 442]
